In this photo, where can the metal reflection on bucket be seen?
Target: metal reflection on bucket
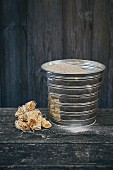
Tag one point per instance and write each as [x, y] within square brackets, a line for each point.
[73, 90]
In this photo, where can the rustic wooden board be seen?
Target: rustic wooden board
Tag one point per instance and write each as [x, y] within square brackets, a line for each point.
[92, 135]
[44, 43]
[34, 32]
[101, 46]
[60, 167]
[13, 53]
[77, 28]
[56, 154]
[100, 132]
[57, 148]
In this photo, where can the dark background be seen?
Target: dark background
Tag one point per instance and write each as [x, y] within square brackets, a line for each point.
[36, 31]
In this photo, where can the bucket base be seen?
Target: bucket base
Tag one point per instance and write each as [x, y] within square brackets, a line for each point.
[74, 123]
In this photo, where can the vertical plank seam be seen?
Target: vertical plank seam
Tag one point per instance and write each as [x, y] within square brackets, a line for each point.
[92, 30]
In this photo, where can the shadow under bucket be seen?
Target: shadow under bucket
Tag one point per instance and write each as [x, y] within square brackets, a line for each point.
[73, 90]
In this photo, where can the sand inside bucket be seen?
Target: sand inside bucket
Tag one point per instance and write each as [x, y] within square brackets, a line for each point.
[65, 68]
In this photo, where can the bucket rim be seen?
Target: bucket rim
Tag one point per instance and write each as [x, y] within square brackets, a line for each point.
[101, 67]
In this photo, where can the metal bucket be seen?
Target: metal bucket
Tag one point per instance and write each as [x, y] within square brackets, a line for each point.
[73, 98]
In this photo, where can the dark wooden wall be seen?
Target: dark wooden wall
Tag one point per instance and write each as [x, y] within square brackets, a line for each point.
[36, 31]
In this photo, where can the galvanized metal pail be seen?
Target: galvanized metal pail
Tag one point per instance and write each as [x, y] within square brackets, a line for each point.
[73, 98]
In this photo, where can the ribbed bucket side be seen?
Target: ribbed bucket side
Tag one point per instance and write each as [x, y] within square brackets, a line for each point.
[73, 90]
[73, 100]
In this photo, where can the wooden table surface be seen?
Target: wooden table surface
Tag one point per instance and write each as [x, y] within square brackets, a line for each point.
[58, 147]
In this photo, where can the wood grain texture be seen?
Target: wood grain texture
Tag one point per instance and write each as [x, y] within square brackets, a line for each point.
[13, 53]
[44, 32]
[99, 133]
[33, 32]
[100, 45]
[110, 59]
[57, 148]
[0, 54]
[59, 167]
[56, 154]
[77, 28]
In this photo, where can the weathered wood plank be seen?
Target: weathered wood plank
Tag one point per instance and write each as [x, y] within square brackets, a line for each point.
[44, 43]
[110, 59]
[33, 32]
[0, 55]
[56, 154]
[100, 132]
[59, 167]
[101, 47]
[77, 28]
[13, 54]
[9, 134]
[57, 147]
[23, 52]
